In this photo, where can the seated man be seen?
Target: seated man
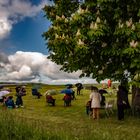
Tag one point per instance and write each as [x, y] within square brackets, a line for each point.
[50, 99]
[67, 100]
[36, 93]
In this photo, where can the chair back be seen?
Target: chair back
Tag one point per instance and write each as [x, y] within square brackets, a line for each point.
[109, 104]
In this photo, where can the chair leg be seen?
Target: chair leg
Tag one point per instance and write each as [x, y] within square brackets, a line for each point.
[108, 112]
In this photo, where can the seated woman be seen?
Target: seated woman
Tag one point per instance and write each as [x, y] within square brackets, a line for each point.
[67, 100]
[50, 99]
[10, 102]
[36, 93]
[103, 100]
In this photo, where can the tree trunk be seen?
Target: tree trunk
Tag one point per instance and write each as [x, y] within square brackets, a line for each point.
[135, 99]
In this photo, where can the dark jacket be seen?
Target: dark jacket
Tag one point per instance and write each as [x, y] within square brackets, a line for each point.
[122, 97]
[10, 103]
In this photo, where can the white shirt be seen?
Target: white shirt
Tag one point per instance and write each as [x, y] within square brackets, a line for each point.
[95, 99]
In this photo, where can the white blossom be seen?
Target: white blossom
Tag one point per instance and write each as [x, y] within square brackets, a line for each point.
[78, 33]
[87, 9]
[56, 36]
[98, 20]
[80, 10]
[98, 12]
[133, 27]
[63, 17]
[100, 72]
[129, 23]
[105, 21]
[80, 42]
[121, 25]
[104, 44]
[133, 43]
[93, 25]
[63, 36]
[57, 17]
[66, 20]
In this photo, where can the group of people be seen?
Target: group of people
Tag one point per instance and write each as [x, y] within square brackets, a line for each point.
[96, 100]
[68, 97]
[9, 102]
[94, 104]
[21, 91]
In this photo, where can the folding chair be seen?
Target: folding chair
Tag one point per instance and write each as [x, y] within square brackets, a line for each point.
[109, 107]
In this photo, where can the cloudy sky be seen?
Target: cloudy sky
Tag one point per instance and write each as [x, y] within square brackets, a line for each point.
[22, 49]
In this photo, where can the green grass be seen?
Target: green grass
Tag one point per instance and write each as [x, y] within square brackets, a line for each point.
[38, 121]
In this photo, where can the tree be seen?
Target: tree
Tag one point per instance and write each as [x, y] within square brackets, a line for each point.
[101, 37]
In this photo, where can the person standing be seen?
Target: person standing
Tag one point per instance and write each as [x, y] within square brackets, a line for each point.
[109, 83]
[95, 98]
[79, 88]
[122, 101]
[20, 91]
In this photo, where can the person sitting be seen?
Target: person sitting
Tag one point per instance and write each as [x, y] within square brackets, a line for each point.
[102, 102]
[88, 108]
[50, 99]
[9, 102]
[2, 99]
[36, 93]
[67, 100]
[72, 94]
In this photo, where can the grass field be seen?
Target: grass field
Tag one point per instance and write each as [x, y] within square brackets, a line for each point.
[39, 121]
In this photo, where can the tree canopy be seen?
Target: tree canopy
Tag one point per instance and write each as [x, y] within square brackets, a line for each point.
[101, 37]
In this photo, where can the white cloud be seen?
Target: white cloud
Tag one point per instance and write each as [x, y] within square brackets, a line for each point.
[24, 72]
[5, 27]
[13, 11]
[33, 66]
[3, 58]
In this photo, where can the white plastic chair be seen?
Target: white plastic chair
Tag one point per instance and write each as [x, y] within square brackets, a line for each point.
[109, 107]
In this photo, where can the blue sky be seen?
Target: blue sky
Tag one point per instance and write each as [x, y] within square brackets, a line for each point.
[26, 34]
[23, 53]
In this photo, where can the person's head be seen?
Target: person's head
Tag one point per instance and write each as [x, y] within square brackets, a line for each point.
[69, 86]
[93, 88]
[4, 97]
[18, 88]
[10, 97]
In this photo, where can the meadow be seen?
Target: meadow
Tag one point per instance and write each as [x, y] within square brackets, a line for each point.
[39, 121]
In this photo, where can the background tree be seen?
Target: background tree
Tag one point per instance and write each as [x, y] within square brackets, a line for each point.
[101, 38]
